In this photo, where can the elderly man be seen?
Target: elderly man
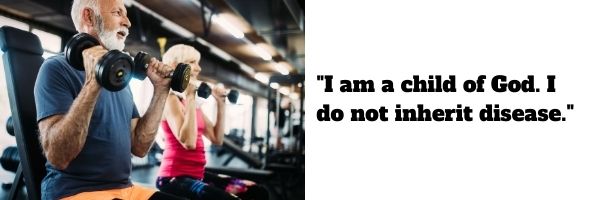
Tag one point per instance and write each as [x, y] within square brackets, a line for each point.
[89, 133]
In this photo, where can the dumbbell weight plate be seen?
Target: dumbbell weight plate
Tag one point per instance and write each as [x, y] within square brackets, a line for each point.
[204, 90]
[141, 61]
[114, 70]
[10, 126]
[233, 96]
[75, 47]
[10, 159]
[181, 77]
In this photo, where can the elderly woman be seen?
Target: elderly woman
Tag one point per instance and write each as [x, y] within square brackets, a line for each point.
[182, 168]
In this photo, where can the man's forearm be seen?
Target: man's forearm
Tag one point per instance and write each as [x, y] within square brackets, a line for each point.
[65, 138]
[147, 127]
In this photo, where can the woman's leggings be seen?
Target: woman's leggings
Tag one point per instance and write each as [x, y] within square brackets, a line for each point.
[211, 187]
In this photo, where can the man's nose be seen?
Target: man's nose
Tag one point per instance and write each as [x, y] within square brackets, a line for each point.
[126, 22]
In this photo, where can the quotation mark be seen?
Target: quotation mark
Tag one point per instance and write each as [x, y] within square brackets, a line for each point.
[570, 106]
[327, 79]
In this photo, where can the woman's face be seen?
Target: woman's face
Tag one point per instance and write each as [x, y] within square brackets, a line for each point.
[194, 64]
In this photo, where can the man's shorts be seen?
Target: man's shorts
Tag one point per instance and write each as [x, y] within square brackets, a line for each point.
[128, 193]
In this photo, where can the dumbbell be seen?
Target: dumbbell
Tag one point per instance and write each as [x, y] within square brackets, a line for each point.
[10, 159]
[205, 91]
[179, 78]
[10, 127]
[113, 70]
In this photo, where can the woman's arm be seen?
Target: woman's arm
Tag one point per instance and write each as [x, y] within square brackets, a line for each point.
[215, 133]
[182, 119]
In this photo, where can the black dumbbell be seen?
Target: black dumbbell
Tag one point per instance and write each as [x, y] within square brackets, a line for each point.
[10, 159]
[233, 96]
[205, 91]
[179, 78]
[113, 70]
[10, 127]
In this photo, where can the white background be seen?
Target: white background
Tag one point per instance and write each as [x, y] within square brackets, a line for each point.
[394, 40]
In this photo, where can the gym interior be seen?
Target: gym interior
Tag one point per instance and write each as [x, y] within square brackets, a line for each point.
[254, 50]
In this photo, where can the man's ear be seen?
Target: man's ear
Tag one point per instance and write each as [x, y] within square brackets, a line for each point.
[88, 17]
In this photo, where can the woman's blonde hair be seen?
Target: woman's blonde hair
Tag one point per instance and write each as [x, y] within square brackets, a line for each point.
[180, 53]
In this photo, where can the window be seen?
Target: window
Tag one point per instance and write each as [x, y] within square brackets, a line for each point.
[51, 44]
[262, 112]
[238, 117]
[14, 23]
[142, 94]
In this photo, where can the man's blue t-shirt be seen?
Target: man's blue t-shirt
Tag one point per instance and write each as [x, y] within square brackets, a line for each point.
[105, 160]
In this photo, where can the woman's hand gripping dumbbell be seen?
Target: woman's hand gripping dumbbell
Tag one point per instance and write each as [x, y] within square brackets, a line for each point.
[204, 91]
[180, 77]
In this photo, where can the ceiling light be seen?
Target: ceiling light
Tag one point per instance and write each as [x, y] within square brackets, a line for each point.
[262, 77]
[177, 29]
[262, 53]
[227, 26]
[247, 68]
[215, 50]
[274, 85]
[280, 67]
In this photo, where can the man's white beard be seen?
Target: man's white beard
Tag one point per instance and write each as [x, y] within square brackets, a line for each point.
[110, 40]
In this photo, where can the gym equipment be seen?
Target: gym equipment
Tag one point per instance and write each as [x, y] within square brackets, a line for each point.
[10, 159]
[238, 152]
[22, 60]
[113, 70]
[287, 164]
[233, 96]
[296, 135]
[250, 174]
[180, 77]
[205, 91]
[10, 126]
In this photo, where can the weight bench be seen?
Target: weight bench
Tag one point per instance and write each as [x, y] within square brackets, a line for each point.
[256, 175]
[22, 60]
[238, 152]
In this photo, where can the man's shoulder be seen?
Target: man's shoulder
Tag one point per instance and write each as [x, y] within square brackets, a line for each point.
[57, 65]
[57, 60]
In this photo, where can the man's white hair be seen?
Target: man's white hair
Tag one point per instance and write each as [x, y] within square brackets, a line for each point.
[78, 6]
